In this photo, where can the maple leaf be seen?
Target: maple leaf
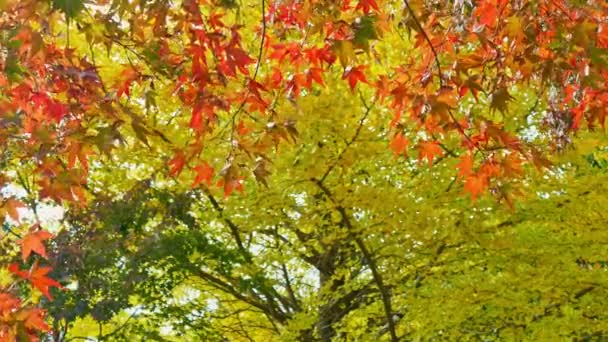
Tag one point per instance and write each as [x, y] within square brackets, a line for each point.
[204, 172]
[382, 87]
[314, 74]
[56, 110]
[486, 11]
[366, 5]
[475, 184]
[177, 164]
[489, 169]
[500, 100]
[128, 75]
[8, 304]
[260, 172]
[465, 166]
[71, 8]
[196, 121]
[602, 36]
[428, 150]
[399, 144]
[33, 318]
[10, 207]
[354, 75]
[32, 242]
[237, 58]
[78, 151]
[512, 166]
[229, 184]
[242, 129]
[38, 277]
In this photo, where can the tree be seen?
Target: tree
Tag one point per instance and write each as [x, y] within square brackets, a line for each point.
[137, 115]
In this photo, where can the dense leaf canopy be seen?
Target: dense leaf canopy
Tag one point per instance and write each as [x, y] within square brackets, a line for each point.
[303, 170]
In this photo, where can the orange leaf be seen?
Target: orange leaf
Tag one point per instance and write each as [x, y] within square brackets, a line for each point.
[475, 184]
[33, 318]
[428, 151]
[489, 169]
[10, 206]
[32, 242]
[204, 172]
[512, 166]
[127, 76]
[8, 304]
[37, 276]
[465, 166]
[399, 144]
[382, 87]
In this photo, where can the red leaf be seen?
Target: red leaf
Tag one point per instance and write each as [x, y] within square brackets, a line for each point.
[229, 184]
[487, 11]
[602, 36]
[366, 5]
[237, 58]
[37, 276]
[315, 74]
[428, 151]
[56, 110]
[177, 164]
[32, 242]
[354, 75]
[399, 144]
[196, 122]
[204, 172]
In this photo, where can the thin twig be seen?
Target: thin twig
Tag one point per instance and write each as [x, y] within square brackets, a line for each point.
[428, 40]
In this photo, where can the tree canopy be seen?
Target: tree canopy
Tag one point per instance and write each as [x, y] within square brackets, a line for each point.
[303, 170]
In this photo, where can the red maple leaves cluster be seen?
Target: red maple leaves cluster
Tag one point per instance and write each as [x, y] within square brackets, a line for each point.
[18, 321]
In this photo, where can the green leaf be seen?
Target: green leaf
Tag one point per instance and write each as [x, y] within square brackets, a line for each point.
[71, 8]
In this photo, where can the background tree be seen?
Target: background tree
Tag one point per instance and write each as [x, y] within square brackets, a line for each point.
[142, 118]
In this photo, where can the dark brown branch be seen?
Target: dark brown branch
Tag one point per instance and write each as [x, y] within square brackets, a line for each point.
[290, 291]
[384, 292]
[234, 230]
[228, 288]
[271, 294]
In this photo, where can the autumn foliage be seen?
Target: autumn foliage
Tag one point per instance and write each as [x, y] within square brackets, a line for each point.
[80, 80]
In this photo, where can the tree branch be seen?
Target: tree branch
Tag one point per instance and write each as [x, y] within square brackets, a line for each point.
[384, 292]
